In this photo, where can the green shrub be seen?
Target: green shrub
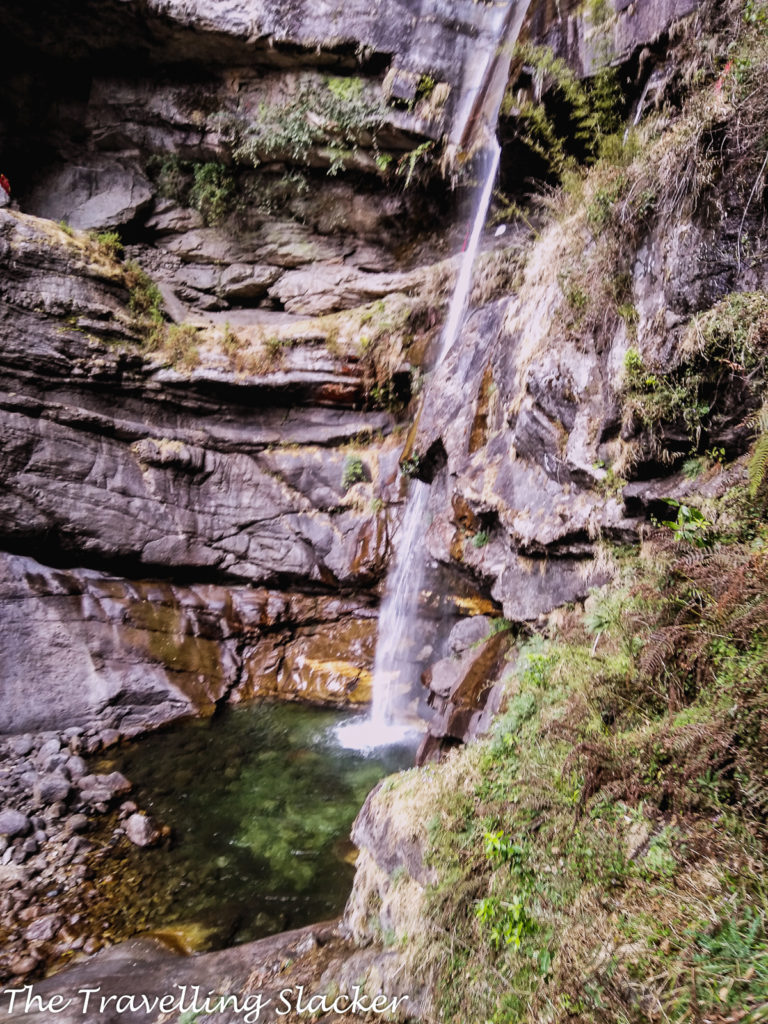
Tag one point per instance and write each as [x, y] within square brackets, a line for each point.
[724, 354]
[209, 188]
[335, 116]
[109, 244]
[353, 472]
[410, 466]
[213, 193]
[145, 301]
[595, 109]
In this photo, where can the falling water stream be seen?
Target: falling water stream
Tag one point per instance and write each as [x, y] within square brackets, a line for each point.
[392, 718]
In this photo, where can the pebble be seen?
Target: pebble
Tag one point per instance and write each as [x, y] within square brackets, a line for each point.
[108, 738]
[43, 929]
[51, 789]
[77, 823]
[76, 767]
[48, 798]
[54, 812]
[51, 746]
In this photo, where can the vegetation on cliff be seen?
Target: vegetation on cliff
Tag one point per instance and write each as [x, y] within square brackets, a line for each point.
[602, 856]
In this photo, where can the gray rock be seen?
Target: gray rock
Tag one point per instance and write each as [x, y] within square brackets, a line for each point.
[101, 789]
[101, 195]
[44, 928]
[48, 749]
[51, 789]
[141, 830]
[12, 875]
[108, 738]
[13, 823]
[54, 811]
[77, 823]
[22, 965]
[467, 633]
[247, 281]
[76, 767]
[21, 745]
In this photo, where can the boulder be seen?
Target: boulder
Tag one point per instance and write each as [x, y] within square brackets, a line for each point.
[13, 823]
[50, 789]
[142, 830]
[101, 789]
[98, 196]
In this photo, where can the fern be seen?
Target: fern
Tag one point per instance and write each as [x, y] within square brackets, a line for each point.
[661, 645]
[759, 461]
[595, 108]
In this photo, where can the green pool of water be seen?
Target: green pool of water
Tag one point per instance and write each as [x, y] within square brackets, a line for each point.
[260, 800]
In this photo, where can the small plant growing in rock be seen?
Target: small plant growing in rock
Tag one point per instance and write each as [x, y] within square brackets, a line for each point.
[384, 396]
[213, 193]
[480, 539]
[109, 244]
[180, 346]
[145, 301]
[209, 188]
[230, 342]
[410, 467]
[408, 164]
[426, 87]
[353, 472]
[334, 116]
[274, 347]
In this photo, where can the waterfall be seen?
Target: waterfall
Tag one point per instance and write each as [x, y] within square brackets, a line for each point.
[391, 720]
[399, 615]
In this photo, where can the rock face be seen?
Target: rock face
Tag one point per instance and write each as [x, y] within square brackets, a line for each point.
[132, 655]
[609, 33]
[134, 467]
[169, 497]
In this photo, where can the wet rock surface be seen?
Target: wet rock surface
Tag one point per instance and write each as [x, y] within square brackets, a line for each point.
[126, 656]
[320, 958]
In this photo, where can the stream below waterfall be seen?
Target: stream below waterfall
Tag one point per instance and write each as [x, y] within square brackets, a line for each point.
[260, 800]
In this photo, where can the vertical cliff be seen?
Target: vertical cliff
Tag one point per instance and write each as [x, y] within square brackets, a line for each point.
[221, 288]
